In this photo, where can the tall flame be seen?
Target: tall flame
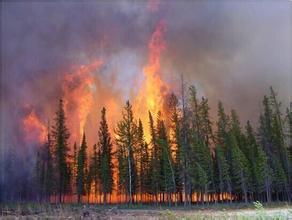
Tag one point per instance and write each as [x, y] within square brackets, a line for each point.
[79, 88]
[154, 89]
[35, 130]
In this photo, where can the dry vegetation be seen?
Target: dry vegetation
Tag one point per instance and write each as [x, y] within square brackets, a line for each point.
[69, 211]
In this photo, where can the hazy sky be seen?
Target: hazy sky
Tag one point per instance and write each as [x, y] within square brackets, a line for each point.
[232, 50]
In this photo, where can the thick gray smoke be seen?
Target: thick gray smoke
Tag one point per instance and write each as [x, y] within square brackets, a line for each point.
[232, 51]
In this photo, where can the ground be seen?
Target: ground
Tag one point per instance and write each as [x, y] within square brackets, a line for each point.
[219, 211]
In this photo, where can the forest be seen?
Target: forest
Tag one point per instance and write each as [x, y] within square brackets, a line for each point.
[187, 159]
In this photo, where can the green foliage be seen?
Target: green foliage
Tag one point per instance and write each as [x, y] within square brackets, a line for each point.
[126, 140]
[106, 156]
[155, 158]
[167, 179]
[60, 136]
[143, 162]
[184, 156]
[82, 169]
[222, 171]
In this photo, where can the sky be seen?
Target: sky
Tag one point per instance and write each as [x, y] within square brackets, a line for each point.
[232, 51]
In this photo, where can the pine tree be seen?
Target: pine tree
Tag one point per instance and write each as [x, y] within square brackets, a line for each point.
[186, 157]
[271, 138]
[203, 160]
[239, 168]
[126, 140]
[223, 127]
[239, 136]
[200, 179]
[106, 168]
[88, 182]
[154, 161]
[205, 122]
[279, 138]
[82, 169]
[61, 135]
[48, 168]
[143, 162]
[201, 138]
[167, 179]
[288, 138]
[74, 167]
[95, 167]
[38, 174]
[175, 140]
[222, 171]
[260, 171]
[224, 149]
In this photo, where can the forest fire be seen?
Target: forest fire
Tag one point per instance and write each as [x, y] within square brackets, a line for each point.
[79, 88]
[153, 91]
[102, 118]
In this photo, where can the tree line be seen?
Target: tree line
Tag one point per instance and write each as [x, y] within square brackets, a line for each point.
[188, 159]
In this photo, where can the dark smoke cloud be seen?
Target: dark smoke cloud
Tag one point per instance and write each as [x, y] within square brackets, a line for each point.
[232, 51]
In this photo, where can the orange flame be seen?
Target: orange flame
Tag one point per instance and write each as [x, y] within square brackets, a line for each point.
[34, 129]
[154, 89]
[79, 88]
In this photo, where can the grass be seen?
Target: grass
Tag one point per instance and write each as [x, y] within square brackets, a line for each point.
[240, 211]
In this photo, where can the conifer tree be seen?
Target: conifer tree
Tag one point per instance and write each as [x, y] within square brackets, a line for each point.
[126, 140]
[223, 179]
[175, 140]
[154, 161]
[240, 173]
[205, 122]
[238, 134]
[203, 160]
[88, 182]
[38, 174]
[224, 150]
[48, 167]
[95, 167]
[166, 165]
[200, 179]
[143, 162]
[223, 129]
[202, 135]
[82, 169]
[74, 167]
[61, 135]
[105, 144]
[288, 138]
[271, 138]
[186, 156]
[260, 170]
[279, 137]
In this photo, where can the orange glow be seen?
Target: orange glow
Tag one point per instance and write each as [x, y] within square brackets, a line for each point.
[154, 89]
[79, 88]
[34, 129]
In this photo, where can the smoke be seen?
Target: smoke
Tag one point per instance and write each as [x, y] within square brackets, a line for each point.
[232, 51]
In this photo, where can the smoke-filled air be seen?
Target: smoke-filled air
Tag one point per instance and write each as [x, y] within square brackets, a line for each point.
[159, 102]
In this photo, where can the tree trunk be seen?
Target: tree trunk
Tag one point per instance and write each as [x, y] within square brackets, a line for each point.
[130, 175]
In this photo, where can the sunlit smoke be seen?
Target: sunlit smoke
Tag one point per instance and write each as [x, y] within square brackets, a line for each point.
[34, 129]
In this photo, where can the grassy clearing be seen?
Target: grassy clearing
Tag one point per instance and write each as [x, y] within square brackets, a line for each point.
[277, 211]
